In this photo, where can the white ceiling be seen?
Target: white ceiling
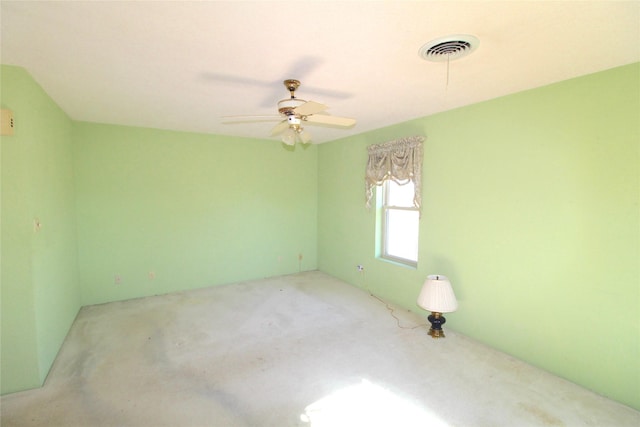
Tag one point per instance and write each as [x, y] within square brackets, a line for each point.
[183, 65]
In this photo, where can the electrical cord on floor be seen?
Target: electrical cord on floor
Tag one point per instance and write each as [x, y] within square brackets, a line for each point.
[364, 286]
[391, 311]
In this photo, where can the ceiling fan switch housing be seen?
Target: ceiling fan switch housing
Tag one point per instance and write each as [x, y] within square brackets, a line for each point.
[293, 120]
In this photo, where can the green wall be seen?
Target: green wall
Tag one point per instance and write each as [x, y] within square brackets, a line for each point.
[531, 207]
[39, 289]
[195, 210]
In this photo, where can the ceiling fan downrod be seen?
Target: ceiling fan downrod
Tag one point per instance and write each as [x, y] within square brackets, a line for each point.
[286, 106]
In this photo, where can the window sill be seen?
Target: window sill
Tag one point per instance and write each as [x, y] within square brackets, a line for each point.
[399, 262]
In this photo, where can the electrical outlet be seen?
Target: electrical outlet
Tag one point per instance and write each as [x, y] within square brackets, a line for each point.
[152, 275]
[6, 122]
[360, 268]
[300, 256]
[117, 279]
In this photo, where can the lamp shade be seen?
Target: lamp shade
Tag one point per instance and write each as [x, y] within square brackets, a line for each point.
[437, 295]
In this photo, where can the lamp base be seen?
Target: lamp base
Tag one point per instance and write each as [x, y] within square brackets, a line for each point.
[437, 320]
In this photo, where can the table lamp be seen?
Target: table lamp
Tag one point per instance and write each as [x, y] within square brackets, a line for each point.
[437, 296]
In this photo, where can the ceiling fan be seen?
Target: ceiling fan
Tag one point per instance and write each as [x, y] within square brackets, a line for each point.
[293, 112]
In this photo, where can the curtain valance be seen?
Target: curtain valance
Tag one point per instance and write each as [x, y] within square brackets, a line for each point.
[399, 160]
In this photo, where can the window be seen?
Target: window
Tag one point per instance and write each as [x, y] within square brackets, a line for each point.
[394, 169]
[400, 220]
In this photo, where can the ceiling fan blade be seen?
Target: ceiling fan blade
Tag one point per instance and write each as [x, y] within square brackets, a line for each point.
[309, 107]
[325, 119]
[280, 127]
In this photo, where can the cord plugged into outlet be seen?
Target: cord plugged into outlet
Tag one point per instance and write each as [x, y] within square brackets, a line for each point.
[361, 278]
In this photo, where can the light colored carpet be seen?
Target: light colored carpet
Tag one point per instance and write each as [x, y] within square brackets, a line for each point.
[299, 350]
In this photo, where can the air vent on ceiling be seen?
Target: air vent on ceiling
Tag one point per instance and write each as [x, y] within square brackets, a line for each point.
[448, 48]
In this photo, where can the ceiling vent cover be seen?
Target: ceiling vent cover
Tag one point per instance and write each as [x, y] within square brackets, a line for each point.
[448, 48]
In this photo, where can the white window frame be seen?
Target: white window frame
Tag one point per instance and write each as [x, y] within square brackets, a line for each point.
[384, 229]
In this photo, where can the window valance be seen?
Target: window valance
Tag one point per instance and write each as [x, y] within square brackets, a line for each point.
[399, 160]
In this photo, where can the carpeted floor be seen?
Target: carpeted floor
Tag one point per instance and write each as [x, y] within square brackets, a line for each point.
[299, 350]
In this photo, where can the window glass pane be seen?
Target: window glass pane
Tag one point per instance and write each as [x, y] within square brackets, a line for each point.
[400, 195]
[402, 234]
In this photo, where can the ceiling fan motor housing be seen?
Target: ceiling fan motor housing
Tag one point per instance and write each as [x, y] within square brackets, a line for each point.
[286, 106]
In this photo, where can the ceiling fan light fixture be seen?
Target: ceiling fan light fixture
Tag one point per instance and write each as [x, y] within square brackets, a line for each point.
[449, 48]
[294, 134]
[289, 137]
[305, 137]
